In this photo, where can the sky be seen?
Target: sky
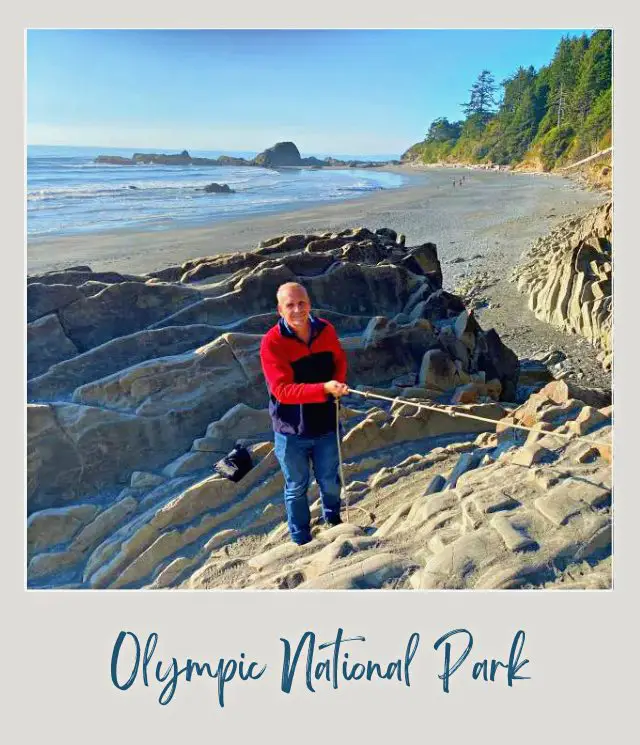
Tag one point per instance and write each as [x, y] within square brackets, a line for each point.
[332, 92]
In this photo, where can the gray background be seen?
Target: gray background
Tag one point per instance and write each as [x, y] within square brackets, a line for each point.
[581, 645]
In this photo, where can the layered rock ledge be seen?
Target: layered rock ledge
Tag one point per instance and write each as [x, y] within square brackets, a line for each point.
[568, 278]
[139, 384]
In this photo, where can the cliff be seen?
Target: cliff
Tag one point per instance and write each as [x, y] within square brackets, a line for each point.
[567, 276]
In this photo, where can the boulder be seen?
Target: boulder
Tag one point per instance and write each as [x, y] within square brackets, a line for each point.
[216, 188]
[424, 260]
[438, 371]
[377, 329]
[387, 233]
[561, 391]
[92, 287]
[454, 347]
[497, 361]
[466, 329]
[441, 305]
[280, 154]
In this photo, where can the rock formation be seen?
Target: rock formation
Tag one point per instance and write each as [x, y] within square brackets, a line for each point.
[494, 512]
[139, 384]
[215, 188]
[567, 276]
[280, 155]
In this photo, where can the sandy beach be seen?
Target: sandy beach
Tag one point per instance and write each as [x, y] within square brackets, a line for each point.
[496, 212]
[481, 229]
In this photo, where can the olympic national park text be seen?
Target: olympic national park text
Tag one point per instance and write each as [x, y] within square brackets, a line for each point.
[311, 663]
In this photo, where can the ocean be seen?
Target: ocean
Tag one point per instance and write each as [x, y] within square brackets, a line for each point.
[68, 193]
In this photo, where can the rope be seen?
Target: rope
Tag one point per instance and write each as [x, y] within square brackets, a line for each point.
[343, 492]
[367, 394]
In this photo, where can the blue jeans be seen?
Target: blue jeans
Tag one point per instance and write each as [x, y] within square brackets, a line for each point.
[295, 453]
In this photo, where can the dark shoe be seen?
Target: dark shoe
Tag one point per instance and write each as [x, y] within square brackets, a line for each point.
[302, 541]
[333, 521]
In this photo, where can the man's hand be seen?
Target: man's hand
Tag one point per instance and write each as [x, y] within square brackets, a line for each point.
[336, 389]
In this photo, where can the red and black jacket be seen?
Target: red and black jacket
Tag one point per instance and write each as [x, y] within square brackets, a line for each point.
[296, 372]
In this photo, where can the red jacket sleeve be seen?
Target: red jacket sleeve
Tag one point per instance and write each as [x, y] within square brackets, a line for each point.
[279, 377]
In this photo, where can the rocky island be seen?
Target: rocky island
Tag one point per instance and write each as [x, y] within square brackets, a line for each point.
[280, 155]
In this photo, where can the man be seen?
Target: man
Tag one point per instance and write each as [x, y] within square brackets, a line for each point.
[305, 368]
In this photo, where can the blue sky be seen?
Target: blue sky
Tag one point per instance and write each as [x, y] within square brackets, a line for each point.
[332, 92]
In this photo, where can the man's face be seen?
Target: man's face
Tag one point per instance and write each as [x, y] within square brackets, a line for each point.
[294, 307]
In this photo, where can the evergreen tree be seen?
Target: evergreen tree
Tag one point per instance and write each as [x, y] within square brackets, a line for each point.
[442, 129]
[522, 129]
[556, 115]
[515, 88]
[594, 75]
[481, 104]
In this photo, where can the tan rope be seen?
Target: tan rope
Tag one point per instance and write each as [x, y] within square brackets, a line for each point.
[343, 492]
[367, 394]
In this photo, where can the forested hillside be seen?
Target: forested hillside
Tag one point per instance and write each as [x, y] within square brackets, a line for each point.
[541, 119]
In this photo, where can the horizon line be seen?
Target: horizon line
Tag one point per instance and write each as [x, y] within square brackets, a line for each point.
[202, 149]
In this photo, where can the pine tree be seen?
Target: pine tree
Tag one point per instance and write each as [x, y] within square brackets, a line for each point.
[559, 114]
[481, 104]
[442, 129]
[594, 75]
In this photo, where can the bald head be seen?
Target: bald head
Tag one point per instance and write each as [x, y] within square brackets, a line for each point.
[291, 287]
[294, 306]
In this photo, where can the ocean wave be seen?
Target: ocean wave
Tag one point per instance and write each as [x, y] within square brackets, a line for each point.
[361, 187]
[64, 198]
[142, 188]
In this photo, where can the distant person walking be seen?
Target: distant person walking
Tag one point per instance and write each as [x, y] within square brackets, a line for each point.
[305, 367]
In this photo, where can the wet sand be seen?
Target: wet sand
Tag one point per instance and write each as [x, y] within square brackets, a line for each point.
[492, 212]
[481, 229]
